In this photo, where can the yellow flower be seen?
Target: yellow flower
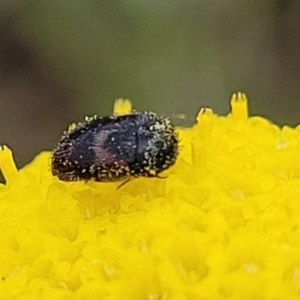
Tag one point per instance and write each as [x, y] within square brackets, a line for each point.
[224, 224]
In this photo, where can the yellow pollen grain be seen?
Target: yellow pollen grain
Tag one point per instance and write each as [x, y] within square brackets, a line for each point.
[152, 172]
[72, 126]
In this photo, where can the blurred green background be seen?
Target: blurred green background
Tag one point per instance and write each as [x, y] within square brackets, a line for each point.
[61, 60]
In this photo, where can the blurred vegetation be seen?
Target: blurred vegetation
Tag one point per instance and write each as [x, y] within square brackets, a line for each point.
[61, 60]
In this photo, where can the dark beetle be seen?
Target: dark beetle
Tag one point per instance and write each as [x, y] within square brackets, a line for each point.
[116, 147]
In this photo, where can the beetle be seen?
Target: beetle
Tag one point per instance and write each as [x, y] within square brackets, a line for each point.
[115, 148]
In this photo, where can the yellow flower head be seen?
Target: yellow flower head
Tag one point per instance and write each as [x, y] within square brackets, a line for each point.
[223, 224]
